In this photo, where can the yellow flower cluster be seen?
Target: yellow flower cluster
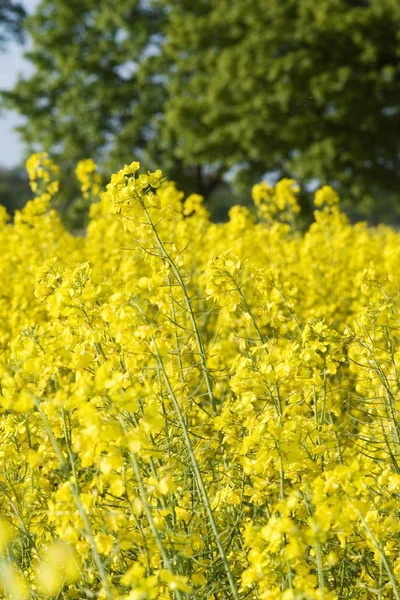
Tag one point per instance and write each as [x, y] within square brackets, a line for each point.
[89, 179]
[198, 410]
[279, 200]
[43, 179]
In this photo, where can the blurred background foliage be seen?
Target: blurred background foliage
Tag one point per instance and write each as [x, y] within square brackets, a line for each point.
[218, 94]
[12, 15]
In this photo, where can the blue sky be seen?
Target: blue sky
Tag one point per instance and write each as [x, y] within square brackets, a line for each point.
[12, 63]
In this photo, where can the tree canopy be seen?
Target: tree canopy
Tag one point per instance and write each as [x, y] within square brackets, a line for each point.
[88, 95]
[219, 88]
[11, 17]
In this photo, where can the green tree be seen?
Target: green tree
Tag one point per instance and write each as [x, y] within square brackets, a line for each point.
[215, 90]
[14, 189]
[11, 17]
[94, 91]
[306, 88]
[89, 95]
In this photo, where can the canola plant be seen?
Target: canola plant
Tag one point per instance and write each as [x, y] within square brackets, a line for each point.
[191, 410]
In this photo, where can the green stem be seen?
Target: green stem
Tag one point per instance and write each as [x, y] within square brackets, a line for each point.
[384, 559]
[199, 341]
[147, 510]
[199, 478]
[78, 503]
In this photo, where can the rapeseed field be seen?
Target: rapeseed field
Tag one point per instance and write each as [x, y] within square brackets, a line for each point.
[192, 410]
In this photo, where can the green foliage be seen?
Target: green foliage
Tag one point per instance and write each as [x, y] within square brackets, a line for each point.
[11, 16]
[14, 189]
[89, 95]
[308, 88]
[205, 89]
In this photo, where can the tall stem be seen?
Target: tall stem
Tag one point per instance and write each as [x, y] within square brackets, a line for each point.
[199, 341]
[198, 476]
